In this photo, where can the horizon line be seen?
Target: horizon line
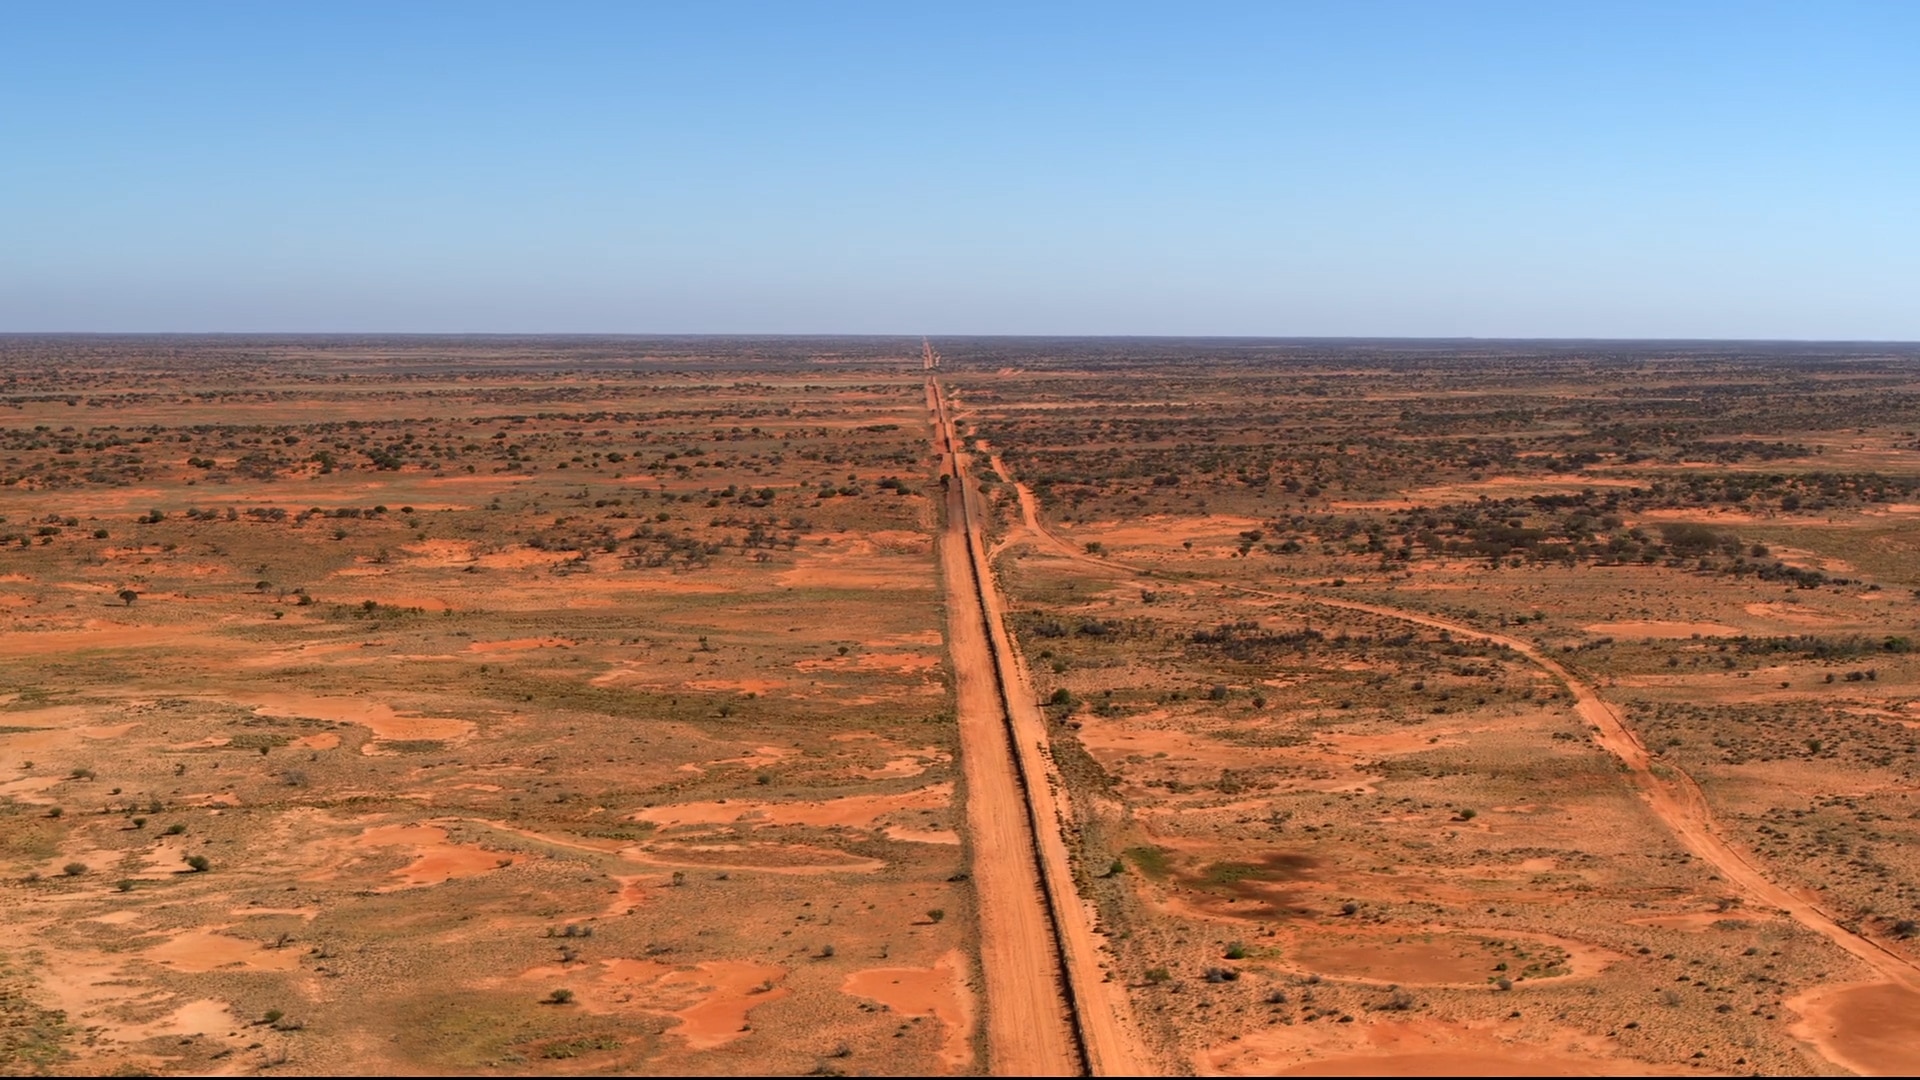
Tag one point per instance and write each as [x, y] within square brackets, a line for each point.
[873, 335]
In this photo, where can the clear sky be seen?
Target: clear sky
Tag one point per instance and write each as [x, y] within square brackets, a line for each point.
[1352, 168]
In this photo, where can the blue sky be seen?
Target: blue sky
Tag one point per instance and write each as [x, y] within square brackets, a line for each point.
[1536, 169]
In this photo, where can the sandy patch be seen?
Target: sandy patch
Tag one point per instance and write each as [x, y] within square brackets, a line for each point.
[761, 858]
[204, 1017]
[521, 644]
[1375, 1046]
[712, 1000]
[434, 859]
[909, 835]
[913, 764]
[735, 686]
[440, 553]
[520, 558]
[1867, 1028]
[939, 991]
[376, 716]
[858, 811]
[904, 663]
[759, 757]
[732, 989]
[1793, 614]
[97, 635]
[204, 950]
[1663, 629]
[29, 789]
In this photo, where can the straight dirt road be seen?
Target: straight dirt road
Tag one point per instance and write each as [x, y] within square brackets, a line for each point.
[1050, 1007]
[1028, 1021]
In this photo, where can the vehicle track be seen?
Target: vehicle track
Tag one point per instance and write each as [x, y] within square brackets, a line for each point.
[1050, 1007]
[1678, 803]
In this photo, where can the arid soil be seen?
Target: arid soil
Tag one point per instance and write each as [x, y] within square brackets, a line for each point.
[437, 707]
[781, 706]
[1383, 769]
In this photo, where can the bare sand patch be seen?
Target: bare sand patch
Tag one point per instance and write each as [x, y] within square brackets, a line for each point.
[1438, 960]
[521, 644]
[434, 859]
[440, 553]
[519, 559]
[30, 789]
[910, 765]
[377, 716]
[1867, 1028]
[859, 811]
[732, 989]
[1793, 614]
[928, 638]
[854, 565]
[735, 686]
[116, 918]
[764, 858]
[1657, 629]
[300, 654]
[206, 1017]
[204, 950]
[759, 757]
[905, 663]
[1376, 1046]
[939, 991]
[910, 835]
[98, 635]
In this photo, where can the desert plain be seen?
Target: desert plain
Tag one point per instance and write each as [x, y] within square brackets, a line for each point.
[750, 706]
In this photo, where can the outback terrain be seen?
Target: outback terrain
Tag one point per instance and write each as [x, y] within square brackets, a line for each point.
[518, 706]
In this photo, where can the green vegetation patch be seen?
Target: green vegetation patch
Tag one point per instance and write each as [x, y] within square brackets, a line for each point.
[1152, 861]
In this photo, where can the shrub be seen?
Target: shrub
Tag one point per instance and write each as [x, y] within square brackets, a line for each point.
[74, 869]
[200, 864]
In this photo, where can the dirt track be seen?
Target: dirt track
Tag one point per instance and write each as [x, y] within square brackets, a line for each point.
[1050, 1008]
[1671, 794]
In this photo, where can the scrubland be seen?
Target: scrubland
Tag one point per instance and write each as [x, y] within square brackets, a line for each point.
[523, 705]
[1338, 821]
[421, 706]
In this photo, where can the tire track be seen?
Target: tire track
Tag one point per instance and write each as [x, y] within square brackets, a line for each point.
[1680, 805]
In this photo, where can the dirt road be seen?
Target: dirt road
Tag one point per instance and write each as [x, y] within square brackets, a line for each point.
[1670, 793]
[1050, 1008]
